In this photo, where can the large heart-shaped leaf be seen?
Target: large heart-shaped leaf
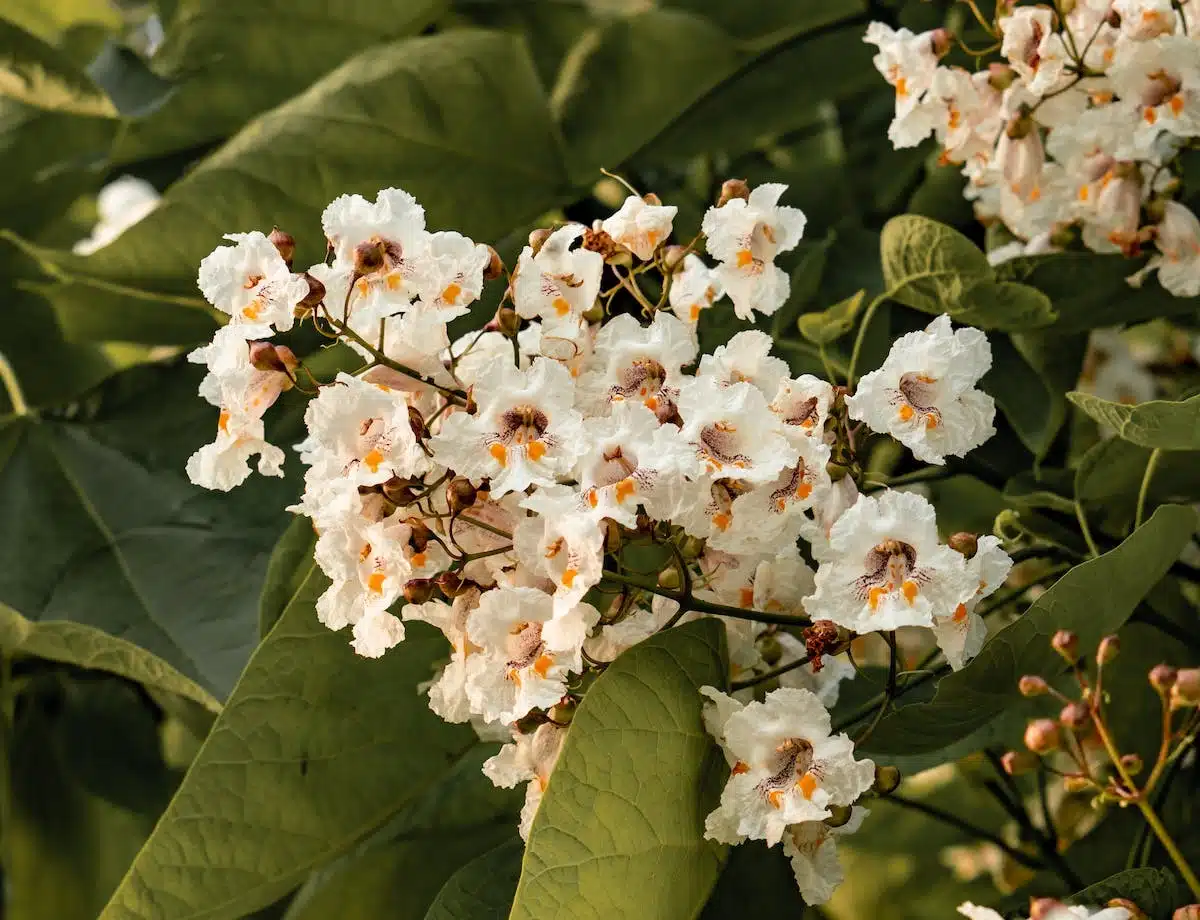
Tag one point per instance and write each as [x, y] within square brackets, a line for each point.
[1159, 423]
[620, 831]
[1093, 599]
[483, 888]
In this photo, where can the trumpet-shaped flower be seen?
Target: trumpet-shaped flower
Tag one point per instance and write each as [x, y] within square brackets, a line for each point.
[450, 276]
[561, 542]
[640, 227]
[733, 431]
[384, 241]
[694, 288]
[811, 847]
[527, 759]
[962, 634]
[251, 282]
[557, 282]
[642, 363]
[745, 358]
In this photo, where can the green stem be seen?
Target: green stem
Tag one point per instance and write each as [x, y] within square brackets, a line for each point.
[868, 315]
[966, 827]
[1168, 843]
[1144, 491]
[1081, 516]
[7, 727]
[12, 386]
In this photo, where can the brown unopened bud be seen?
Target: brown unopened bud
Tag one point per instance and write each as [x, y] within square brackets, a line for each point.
[1109, 647]
[399, 491]
[263, 357]
[887, 780]
[770, 649]
[285, 244]
[1017, 762]
[653, 200]
[416, 422]
[1043, 908]
[508, 322]
[1186, 691]
[1019, 126]
[419, 535]
[564, 710]
[613, 538]
[941, 40]
[1076, 782]
[965, 543]
[1113, 19]
[495, 266]
[673, 258]
[1042, 736]
[1135, 912]
[460, 494]
[1074, 715]
[731, 189]
[598, 240]
[369, 257]
[315, 295]
[1163, 677]
[1032, 685]
[669, 578]
[839, 815]
[822, 638]
[1132, 764]
[1191, 912]
[451, 584]
[1001, 76]
[1066, 643]
[418, 590]
[528, 724]
[537, 239]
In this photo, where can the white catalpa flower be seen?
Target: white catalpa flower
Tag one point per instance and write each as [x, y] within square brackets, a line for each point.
[924, 394]
[640, 227]
[1160, 80]
[733, 431]
[812, 849]
[527, 759]
[385, 239]
[843, 494]
[631, 460]
[450, 276]
[908, 63]
[786, 765]
[561, 542]
[961, 635]
[448, 692]
[225, 463]
[1177, 237]
[525, 431]
[558, 282]
[475, 356]
[1058, 912]
[968, 113]
[518, 669]
[120, 205]
[746, 358]
[885, 567]
[251, 282]
[694, 288]
[643, 363]
[746, 235]
[1145, 19]
[1034, 48]
[359, 432]
[802, 404]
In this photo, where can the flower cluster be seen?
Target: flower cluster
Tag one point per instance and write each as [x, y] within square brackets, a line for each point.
[1073, 129]
[498, 485]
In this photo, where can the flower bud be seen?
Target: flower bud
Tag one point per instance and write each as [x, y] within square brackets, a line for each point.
[285, 244]
[613, 539]
[594, 314]
[1001, 76]
[837, 471]
[770, 649]
[1191, 912]
[1186, 691]
[669, 578]
[653, 200]
[399, 491]
[1043, 908]
[416, 421]
[887, 780]
[451, 584]
[1017, 762]
[564, 710]
[1076, 782]
[419, 535]
[1020, 156]
[941, 41]
[369, 257]
[315, 295]
[839, 815]
[1074, 715]
[1066, 643]
[537, 239]
[460, 494]
[265, 357]
[967, 544]
[418, 590]
[495, 266]
[731, 189]
[1032, 685]
[673, 257]
[1109, 646]
[598, 240]
[1132, 764]
[1041, 736]
[508, 322]
[1163, 677]
[691, 547]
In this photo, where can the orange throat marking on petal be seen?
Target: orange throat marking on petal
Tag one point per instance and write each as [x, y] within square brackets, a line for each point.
[251, 310]
[499, 454]
[625, 488]
[960, 613]
[395, 281]
[910, 591]
[375, 582]
[875, 595]
[803, 490]
[775, 797]
[560, 305]
[536, 450]
[568, 577]
[373, 459]
[418, 560]
[807, 784]
[223, 421]
[746, 597]
[1175, 103]
[902, 87]
[451, 293]
[906, 412]
[744, 258]
[542, 665]
[739, 768]
[722, 520]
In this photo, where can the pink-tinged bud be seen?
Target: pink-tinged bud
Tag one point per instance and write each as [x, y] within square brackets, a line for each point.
[418, 590]
[460, 494]
[1042, 736]
[495, 266]
[967, 544]
[399, 491]
[263, 357]
[1107, 652]
[419, 535]
[941, 41]
[1074, 715]
[1119, 204]
[451, 584]
[285, 244]
[537, 239]
[369, 257]
[1020, 157]
[416, 422]
[653, 200]
[1032, 685]
[673, 258]
[1132, 764]
[315, 295]
[1066, 643]
[1191, 912]
[1186, 691]
[563, 711]
[887, 780]
[731, 189]
[1163, 677]
[1043, 908]
[1017, 762]
[508, 322]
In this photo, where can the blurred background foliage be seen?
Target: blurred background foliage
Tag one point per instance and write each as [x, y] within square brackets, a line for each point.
[498, 115]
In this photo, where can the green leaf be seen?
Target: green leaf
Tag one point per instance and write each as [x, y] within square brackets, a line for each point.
[231, 61]
[285, 571]
[1093, 600]
[757, 881]
[1110, 474]
[85, 647]
[1155, 891]
[829, 325]
[399, 870]
[483, 889]
[620, 831]
[1160, 423]
[929, 266]
[1089, 290]
[314, 749]
[805, 281]
[1005, 305]
[458, 119]
[48, 19]
[38, 74]
[1029, 377]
